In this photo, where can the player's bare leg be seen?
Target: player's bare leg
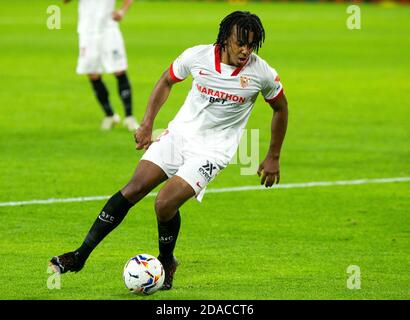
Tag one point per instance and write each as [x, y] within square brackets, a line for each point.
[146, 177]
[102, 95]
[170, 198]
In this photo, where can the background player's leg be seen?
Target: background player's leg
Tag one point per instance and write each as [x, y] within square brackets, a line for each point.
[125, 92]
[146, 177]
[102, 95]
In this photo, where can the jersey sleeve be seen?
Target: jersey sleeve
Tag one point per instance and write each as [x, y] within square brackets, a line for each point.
[272, 88]
[181, 67]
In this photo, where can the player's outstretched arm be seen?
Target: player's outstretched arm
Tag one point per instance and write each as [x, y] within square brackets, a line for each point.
[143, 135]
[119, 14]
[269, 169]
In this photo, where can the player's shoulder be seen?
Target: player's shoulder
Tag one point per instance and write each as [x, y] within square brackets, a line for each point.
[262, 67]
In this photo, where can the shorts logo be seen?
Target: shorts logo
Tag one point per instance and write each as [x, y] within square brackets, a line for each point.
[116, 54]
[209, 167]
[125, 93]
[206, 170]
[244, 81]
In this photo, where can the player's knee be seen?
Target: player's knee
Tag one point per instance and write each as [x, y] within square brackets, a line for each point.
[163, 208]
[94, 76]
[160, 206]
[119, 73]
[134, 192]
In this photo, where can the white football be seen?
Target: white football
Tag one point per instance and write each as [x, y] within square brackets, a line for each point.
[143, 274]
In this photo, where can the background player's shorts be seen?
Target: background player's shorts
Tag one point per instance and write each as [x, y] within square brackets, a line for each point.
[169, 153]
[102, 52]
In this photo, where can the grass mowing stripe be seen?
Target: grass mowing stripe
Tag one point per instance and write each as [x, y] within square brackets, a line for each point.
[221, 190]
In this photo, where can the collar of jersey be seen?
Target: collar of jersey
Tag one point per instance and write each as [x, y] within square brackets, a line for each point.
[218, 62]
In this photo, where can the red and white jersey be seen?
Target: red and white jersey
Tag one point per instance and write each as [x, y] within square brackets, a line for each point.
[221, 99]
[95, 15]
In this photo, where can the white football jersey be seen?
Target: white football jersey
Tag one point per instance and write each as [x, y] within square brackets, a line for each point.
[221, 99]
[95, 15]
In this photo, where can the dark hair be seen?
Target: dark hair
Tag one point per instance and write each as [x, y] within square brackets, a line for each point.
[245, 22]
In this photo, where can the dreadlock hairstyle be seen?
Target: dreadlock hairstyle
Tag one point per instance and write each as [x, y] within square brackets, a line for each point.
[245, 23]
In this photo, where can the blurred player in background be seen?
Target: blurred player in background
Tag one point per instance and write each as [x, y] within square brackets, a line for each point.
[102, 50]
[201, 139]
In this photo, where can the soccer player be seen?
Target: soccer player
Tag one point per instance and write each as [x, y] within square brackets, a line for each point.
[102, 50]
[200, 140]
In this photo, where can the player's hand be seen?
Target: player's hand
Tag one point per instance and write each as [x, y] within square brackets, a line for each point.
[118, 15]
[143, 137]
[66, 1]
[269, 172]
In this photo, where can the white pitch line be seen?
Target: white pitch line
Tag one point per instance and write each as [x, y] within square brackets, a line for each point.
[221, 190]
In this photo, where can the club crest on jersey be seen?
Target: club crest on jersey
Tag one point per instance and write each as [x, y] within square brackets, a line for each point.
[244, 81]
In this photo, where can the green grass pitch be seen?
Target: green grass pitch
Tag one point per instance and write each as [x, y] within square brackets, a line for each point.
[348, 93]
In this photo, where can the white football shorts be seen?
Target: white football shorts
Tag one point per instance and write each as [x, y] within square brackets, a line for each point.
[175, 156]
[102, 52]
